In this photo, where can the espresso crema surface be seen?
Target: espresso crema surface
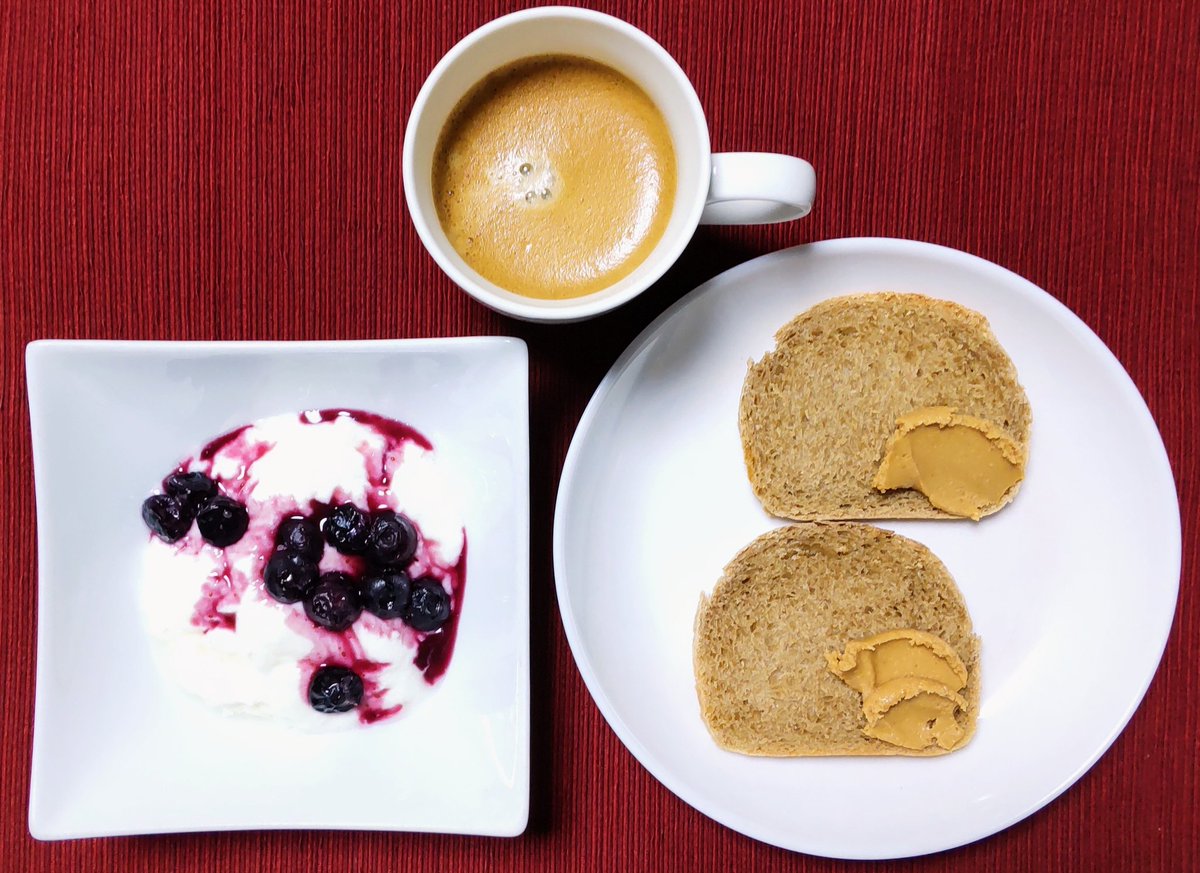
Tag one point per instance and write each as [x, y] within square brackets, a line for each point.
[554, 177]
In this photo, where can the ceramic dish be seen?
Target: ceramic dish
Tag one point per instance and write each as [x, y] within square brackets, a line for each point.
[117, 748]
[1072, 588]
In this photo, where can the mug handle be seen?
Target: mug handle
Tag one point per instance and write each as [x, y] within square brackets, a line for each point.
[758, 188]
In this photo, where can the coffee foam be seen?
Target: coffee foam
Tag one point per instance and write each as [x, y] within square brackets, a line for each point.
[555, 177]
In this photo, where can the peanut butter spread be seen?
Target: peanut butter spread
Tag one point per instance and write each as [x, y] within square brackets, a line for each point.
[963, 464]
[914, 713]
[909, 680]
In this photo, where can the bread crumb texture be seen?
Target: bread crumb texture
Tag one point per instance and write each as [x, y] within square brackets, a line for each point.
[790, 597]
[817, 411]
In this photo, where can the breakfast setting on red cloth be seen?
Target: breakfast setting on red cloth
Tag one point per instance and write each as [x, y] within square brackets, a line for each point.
[643, 437]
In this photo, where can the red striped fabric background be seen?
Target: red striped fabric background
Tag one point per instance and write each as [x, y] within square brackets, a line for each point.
[231, 170]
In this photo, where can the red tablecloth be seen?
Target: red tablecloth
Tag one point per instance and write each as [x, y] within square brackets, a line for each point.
[231, 170]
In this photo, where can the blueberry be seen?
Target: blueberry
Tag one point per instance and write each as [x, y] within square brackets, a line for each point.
[346, 529]
[192, 490]
[166, 517]
[222, 521]
[333, 603]
[385, 594]
[289, 576]
[302, 536]
[428, 605]
[335, 689]
[392, 541]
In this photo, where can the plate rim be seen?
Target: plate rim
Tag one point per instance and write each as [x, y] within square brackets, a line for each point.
[844, 246]
[37, 353]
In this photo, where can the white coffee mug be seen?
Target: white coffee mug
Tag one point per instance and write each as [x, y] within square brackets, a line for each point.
[724, 188]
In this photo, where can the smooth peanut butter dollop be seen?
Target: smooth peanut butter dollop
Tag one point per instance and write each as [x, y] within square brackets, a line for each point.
[909, 680]
[963, 464]
[914, 713]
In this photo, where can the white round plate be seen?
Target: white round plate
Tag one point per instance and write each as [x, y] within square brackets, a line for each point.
[1071, 588]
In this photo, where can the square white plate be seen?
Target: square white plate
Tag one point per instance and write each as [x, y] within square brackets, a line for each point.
[117, 749]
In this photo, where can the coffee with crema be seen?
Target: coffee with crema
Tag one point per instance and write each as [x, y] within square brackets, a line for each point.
[554, 177]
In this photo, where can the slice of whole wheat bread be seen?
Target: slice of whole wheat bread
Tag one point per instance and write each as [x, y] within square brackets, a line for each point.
[817, 411]
[791, 596]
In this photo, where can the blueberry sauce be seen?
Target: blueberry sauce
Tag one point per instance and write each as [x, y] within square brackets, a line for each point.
[241, 566]
[434, 651]
[397, 432]
[213, 608]
[214, 446]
